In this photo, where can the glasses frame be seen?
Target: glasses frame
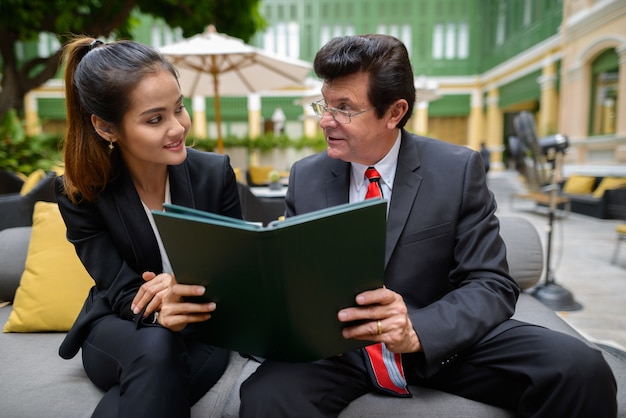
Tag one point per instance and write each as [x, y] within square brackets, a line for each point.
[319, 108]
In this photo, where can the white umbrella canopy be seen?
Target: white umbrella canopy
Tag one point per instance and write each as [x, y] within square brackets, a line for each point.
[212, 64]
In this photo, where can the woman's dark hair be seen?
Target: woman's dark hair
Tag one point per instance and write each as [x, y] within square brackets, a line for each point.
[383, 57]
[99, 79]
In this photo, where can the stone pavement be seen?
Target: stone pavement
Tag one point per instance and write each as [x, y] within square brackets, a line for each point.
[582, 248]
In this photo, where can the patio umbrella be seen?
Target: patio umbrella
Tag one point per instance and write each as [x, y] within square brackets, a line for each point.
[212, 64]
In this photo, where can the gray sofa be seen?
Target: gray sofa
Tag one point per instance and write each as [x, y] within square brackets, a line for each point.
[36, 382]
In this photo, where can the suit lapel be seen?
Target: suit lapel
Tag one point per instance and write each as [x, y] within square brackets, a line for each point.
[180, 185]
[131, 214]
[338, 184]
[134, 219]
[405, 187]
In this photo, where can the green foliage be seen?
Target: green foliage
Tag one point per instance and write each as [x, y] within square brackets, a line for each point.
[238, 18]
[24, 154]
[25, 20]
[263, 143]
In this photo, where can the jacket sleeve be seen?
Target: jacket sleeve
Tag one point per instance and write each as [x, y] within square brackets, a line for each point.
[463, 270]
[115, 280]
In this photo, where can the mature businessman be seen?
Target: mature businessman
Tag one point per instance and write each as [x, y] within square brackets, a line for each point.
[446, 305]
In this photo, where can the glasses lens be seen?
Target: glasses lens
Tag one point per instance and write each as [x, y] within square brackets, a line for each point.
[318, 108]
[341, 117]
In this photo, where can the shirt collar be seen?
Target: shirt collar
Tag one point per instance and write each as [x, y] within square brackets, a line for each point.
[386, 167]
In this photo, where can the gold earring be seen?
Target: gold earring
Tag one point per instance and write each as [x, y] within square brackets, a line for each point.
[111, 145]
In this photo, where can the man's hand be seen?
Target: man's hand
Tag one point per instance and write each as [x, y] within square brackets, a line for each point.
[387, 308]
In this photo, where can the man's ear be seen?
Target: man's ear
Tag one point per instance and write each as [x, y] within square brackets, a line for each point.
[396, 112]
[103, 128]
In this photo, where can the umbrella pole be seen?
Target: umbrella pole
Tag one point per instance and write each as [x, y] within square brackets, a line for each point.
[218, 112]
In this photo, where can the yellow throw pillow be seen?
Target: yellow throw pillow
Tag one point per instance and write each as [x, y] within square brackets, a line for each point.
[32, 180]
[54, 284]
[238, 175]
[259, 174]
[608, 183]
[577, 184]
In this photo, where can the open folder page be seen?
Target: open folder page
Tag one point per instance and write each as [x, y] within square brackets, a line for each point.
[278, 288]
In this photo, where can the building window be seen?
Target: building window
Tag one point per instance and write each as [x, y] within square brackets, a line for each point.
[406, 37]
[438, 41]
[450, 41]
[604, 115]
[163, 35]
[327, 32]
[283, 39]
[463, 41]
[47, 45]
[604, 90]
[501, 24]
[527, 12]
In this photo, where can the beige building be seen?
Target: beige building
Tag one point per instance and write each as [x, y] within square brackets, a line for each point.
[592, 103]
[582, 85]
[577, 77]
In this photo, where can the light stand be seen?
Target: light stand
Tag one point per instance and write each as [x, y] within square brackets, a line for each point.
[550, 293]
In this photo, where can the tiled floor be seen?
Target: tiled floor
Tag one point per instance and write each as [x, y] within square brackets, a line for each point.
[582, 248]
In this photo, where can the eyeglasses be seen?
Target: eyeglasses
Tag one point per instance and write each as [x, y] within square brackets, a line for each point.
[340, 116]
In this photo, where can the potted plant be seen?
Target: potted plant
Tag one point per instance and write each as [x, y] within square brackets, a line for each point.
[274, 178]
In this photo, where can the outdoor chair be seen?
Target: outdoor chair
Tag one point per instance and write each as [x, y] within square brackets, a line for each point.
[621, 236]
[257, 209]
[258, 175]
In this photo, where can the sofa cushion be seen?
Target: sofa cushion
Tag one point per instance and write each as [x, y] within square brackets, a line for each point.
[31, 181]
[609, 183]
[13, 247]
[578, 184]
[36, 382]
[54, 284]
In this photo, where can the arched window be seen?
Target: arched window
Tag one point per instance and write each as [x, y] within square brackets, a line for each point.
[605, 79]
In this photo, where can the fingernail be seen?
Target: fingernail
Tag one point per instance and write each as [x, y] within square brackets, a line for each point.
[200, 290]
[135, 309]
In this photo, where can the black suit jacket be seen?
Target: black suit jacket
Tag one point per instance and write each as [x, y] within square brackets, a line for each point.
[444, 254]
[115, 242]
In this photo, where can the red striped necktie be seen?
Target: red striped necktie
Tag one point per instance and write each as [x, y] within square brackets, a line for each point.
[385, 366]
[373, 188]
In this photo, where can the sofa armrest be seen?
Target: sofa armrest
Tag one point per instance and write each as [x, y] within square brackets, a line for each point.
[13, 251]
[615, 203]
[524, 250]
[17, 209]
[10, 182]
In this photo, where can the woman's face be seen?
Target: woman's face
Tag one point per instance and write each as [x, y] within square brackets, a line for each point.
[154, 128]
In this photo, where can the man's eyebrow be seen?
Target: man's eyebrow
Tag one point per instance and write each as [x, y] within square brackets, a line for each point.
[346, 100]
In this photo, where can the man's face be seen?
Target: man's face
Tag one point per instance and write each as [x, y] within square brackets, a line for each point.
[366, 139]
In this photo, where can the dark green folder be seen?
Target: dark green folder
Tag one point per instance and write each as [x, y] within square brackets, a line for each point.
[278, 288]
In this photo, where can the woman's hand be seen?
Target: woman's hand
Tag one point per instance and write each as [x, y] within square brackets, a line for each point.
[151, 293]
[175, 313]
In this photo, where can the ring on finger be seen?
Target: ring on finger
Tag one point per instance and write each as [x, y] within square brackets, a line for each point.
[379, 326]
